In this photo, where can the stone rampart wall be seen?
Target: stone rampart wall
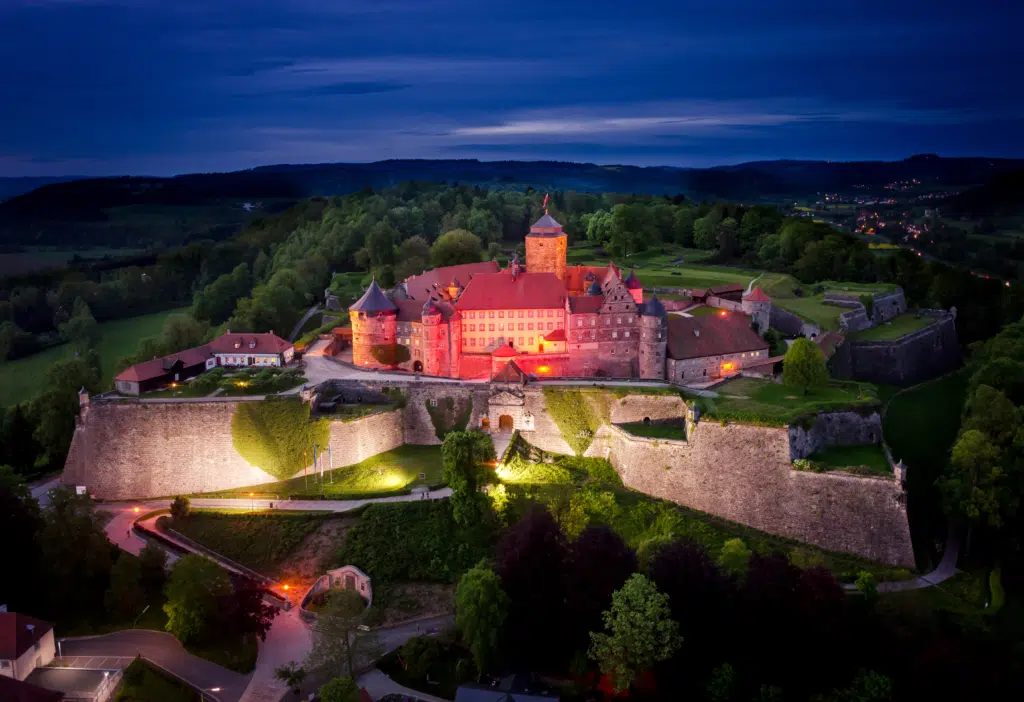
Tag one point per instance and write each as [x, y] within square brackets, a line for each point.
[355, 441]
[834, 429]
[855, 320]
[743, 473]
[887, 306]
[924, 354]
[790, 324]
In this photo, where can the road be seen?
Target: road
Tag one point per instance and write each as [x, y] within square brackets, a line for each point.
[164, 650]
[289, 639]
[298, 325]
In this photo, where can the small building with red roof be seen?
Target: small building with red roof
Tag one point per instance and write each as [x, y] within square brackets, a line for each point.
[26, 643]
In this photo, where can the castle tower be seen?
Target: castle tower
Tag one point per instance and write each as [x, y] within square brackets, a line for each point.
[374, 323]
[634, 287]
[546, 245]
[435, 352]
[653, 339]
[759, 307]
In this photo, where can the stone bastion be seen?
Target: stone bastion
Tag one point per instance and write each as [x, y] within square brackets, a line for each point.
[743, 473]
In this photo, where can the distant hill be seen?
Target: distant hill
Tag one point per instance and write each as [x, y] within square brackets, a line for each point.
[138, 211]
[12, 187]
[1003, 196]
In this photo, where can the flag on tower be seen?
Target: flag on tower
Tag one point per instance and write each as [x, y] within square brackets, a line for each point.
[545, 203]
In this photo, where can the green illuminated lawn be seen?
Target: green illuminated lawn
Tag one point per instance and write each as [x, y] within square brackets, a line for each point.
[871, 457]
[22, 379]
[765, 402]
[894, 329]
[809, 305]
[390, 473]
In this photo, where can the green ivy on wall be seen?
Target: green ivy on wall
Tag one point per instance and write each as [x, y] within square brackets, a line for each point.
[447, 417]
[277, 435]
[575, 417]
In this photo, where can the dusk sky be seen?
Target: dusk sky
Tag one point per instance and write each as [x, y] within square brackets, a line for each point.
[158, 87]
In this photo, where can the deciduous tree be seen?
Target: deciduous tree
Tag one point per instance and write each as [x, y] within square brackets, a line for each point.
[343, 689]
[194, 590]
[804, 366]
[455, 247]
[462, 452]
[598, 562]
[481, 607]
[337, 641]
[125, 597]
[639, 632]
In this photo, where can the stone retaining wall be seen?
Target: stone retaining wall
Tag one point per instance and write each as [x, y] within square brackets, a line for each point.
[919, 356]
[743, 473]
[834, 429]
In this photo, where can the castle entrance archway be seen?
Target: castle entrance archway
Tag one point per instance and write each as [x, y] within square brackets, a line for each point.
[485, 423]
[505, 422]
[418, 366]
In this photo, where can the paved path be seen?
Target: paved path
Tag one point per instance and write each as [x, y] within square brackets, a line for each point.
[944, 571]
[41, 491]
[289, 639]
[501, 441]
[164, 650]
[378, 685]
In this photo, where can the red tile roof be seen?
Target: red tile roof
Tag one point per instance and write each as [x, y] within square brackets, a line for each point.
[409, 310]
[829, 342]
[15, 635]
[757, 295]
[498, 291]
[726, 289]
[509, 373]
[504, 351]
[575, 276]
[264, 343]
[556, 335]
[147, 370]
[696, 337]
[585, 304]
[418, 285]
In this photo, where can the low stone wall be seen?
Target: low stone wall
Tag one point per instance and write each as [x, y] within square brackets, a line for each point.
[855, 320]
[790, 324]
[355, 441]
[888, 306]
[919, 356]
[834, 429]
[743, 473]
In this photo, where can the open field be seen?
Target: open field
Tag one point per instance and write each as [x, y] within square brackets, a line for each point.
[871, 457]
[21, 379]
[702, 311]
[656, 269]
[389, 473]
[893, 329]
[765, 402]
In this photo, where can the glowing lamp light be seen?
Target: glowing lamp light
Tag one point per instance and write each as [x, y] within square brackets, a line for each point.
[722, 313]
[544, 369]
[135, 509]
[287, 587]
[728, 366]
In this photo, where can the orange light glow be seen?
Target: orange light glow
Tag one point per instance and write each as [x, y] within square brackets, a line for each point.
[728, 366]
[722, 313]
[251, 494]
[136, 510]
[286, 587]
[544, 369]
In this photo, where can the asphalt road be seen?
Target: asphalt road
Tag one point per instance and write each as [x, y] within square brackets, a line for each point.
[164, 650]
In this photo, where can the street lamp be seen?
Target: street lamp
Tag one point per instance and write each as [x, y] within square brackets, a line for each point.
[204, 690]
[135, 509]
[252, 503]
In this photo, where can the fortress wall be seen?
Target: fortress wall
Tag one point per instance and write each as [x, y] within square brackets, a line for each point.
[887, 306]
[139, 449]
[919, 356]
[419, 428]
[355, 441]
[635, 408]
[743, 473]
[834, 429]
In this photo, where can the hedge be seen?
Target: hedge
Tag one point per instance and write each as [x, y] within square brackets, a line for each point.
[445, 418]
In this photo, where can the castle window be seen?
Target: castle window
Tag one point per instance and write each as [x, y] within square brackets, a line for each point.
[472, 315]
[626, 334]
[520, 314]
[618, 320]
[530, 314]
[433, 402]
[490, 340]
[529, 326]
[501, 327]
[613, 352]
[501, 314]
[615, 335]
[593, 321]
[520, 341]
[558, 325]
[491, 327]
[579, 322]
[472, 327]
[520, 326]
[491, 315]
[551, 325]
[511, 314]
[472, 342]
[629, 320]
[551, 313]
[530, 341]
[579, 337]
[607, 321]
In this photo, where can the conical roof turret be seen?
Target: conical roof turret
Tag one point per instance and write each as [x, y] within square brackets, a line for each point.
[373, 300]
[632, 282]
[654, 308]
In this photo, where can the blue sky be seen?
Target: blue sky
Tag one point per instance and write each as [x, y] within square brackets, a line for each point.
[160, 87]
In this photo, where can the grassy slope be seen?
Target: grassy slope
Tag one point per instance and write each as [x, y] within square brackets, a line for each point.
[920, 427]
[809, 306]
[20, 380]
[870, 456]
[389, 473]
[257, 540]
[656, 270]
[779, 403]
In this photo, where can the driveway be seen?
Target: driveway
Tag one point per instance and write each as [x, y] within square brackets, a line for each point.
[163, 649]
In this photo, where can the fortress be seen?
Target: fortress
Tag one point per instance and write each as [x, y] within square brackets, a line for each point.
[549, 319]
[134, 449]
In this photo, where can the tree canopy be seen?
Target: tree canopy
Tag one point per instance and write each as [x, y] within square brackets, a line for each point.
[804, 366]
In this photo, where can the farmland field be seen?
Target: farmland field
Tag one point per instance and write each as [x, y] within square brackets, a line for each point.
[21, 379]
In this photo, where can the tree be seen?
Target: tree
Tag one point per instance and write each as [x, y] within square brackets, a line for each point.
[390, 355]
[639, 632]
[804, 366]
[292, 675]
[57, 407]
[598, 563]
[337, 641]
[20, 523]
[722, 685]
[481, 607]
[180, 507]
[244, 612]
[194, 592]
[413, 258]
[991, 412]
[586, 505]
[343, 689]
[868, 686]
[152, 569]
[974, 485]
[81, 329]
[531, 546]
[462, 452]
[125, 597]
[182, 332]
[420, 654]
[455, 247]
[18, 446]
[734, 558]
[705, 230]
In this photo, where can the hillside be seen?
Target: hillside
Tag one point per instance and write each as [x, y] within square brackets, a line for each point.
[142, 211]
[1003, 196]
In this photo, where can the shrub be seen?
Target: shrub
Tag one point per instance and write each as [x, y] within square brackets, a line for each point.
[391, 355]
[180, 508]
[447, 416]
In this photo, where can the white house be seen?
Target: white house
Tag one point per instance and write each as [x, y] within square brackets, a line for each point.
[26, 643]
[234, 350]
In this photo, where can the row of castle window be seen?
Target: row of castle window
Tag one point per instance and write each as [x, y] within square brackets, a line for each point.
[512, 314]
[607, 321]
[511, 326]
[490, 341]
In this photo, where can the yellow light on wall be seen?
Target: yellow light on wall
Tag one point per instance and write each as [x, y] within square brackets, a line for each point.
[728, 366]
[544, 369]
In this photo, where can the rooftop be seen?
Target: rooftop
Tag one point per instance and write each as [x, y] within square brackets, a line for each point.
[696, 337]
[757, 295]
[19, 632]
[418, 286]
[12, 690]
[251, 343]
[500, 291]
[546, 225]
[373, 300]
[154, 368]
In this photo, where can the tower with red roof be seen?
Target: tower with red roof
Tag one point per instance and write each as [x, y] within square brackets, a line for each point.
[759, 307]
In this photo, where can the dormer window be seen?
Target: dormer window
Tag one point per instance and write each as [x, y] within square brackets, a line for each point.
[252, 344]
[238, 344]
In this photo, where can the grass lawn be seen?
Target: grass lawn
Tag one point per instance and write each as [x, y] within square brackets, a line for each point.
[238, 654]
[656, 269]
[21, 379]
[257, 540]
[774, 404]
[920, 426]
[144, 682]
[871, 457]
[657, 430]
[810, 305]
[703, 311]
[390, 473]
[893, 329]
